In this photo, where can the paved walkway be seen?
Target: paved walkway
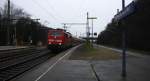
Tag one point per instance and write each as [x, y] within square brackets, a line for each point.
[70, 70]
[138, 69]
[11, 47]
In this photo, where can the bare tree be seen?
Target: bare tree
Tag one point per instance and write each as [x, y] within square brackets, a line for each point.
[15, 12]
[1, 13]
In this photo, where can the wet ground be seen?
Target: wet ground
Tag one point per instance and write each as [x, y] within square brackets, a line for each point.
[75, 65]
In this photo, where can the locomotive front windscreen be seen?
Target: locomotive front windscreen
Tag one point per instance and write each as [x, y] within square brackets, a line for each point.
[56, 33]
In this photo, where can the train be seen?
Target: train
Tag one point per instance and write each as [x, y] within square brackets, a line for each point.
[59, 39]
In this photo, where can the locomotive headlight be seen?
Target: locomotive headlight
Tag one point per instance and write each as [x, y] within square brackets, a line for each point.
[49, 43]
[59, 43]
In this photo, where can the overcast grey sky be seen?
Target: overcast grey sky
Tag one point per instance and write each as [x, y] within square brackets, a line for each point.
[55, 12]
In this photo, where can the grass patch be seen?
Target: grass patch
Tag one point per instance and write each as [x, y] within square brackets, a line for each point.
[87, 52]
[88, 47]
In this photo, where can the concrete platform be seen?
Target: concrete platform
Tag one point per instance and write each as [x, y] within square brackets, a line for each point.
[11, 47]
[137, 70]
[69, 70]
[60, 68]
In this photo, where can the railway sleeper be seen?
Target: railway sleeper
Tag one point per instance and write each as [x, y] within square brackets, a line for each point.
[26, 66]
[5, 55]
[21, 59]
[17, 55]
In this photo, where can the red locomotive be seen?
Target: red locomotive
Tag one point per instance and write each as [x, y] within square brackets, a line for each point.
[59, 39]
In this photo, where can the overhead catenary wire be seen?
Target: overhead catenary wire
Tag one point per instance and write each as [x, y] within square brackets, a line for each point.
[80, 7]
[82, 4]
[53, 8]
[45, 10]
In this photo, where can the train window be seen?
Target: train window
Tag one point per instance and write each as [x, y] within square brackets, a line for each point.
[56, 34]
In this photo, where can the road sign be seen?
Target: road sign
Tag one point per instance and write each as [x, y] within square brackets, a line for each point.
[130, 9]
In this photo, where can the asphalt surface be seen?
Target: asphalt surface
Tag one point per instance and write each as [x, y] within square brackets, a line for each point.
[111, 70]
[138, 67]
[61, 68]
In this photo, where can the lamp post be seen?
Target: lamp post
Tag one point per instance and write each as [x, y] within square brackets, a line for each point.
[119, 18]
[123, 46]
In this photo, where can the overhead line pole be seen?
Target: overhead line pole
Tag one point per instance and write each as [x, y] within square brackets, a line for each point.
[87, 27]
[65, 27]
[65, 24]
[92, 18]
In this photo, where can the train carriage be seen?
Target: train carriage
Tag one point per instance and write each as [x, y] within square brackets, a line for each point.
[59, 39]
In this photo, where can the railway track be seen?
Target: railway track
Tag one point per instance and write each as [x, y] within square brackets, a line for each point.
[16, 62]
